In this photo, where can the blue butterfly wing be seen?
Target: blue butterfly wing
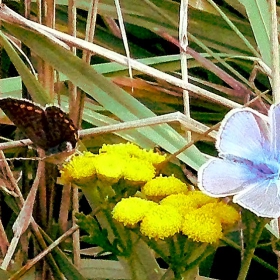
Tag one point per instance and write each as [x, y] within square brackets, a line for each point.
[244, 133]
[262, 198]
[220, 178]
[249, 144]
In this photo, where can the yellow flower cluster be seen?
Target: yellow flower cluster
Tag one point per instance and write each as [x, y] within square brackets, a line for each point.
[161, 221]
[113, 162]
[192, 213]
[73, 171]
[169, 207]
[130, 150]
[161, 187]
[135, 207]
[206, 222]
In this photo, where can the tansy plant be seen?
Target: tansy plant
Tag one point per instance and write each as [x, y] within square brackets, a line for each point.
[137, 212]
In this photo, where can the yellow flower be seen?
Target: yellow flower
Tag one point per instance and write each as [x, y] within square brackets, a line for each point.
[130, 211]
[202, 226]
[134, 168]
[182, 202]
[161, 221]
[187, 202]
[123, 149]
[109, 167]
[164, 186]
[79, 169]
[151, 156]
[139, 171]
[132, 150]
[226, 213]
[199, 198]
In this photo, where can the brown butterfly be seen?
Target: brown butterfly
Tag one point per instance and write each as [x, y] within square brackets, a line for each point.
[48, 128]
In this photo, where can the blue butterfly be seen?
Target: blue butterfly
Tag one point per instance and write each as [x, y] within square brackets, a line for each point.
[248, 166]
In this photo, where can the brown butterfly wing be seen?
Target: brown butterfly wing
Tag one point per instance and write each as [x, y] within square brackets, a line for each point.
[61, 128]
[28, 117]
[45, 128]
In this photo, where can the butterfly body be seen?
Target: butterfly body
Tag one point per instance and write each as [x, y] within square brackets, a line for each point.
[48, 128]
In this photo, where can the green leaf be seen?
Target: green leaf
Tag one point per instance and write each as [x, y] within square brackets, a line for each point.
[34, 87]
[259, 17]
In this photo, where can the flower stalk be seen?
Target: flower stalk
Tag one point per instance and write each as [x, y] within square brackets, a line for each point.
[250, 249]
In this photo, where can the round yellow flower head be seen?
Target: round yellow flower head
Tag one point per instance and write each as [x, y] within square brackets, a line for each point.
[132, 150]
[153, 157]
[199, 199]
[138, 171]
[161, 221]
[224, 212]
[202, 226]
[79, 169]
[182, 202]
[125, 149]
[130, 211]
[135, 169]
[110, 167]
[163, 186]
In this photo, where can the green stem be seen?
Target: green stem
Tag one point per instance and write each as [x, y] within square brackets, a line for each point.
[200, 254]
[136, 257]
[250, 249]
[182, 241]
[231, 243]
[154, 246]
[175, 265]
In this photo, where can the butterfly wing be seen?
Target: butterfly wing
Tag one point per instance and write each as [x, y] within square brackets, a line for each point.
[47, 128]
[262, 198]
[220, 177]
[244, 133]
[61, 128]
[28, 117]
[248, 144]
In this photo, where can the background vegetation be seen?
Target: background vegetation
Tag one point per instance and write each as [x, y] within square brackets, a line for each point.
[229, 61]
